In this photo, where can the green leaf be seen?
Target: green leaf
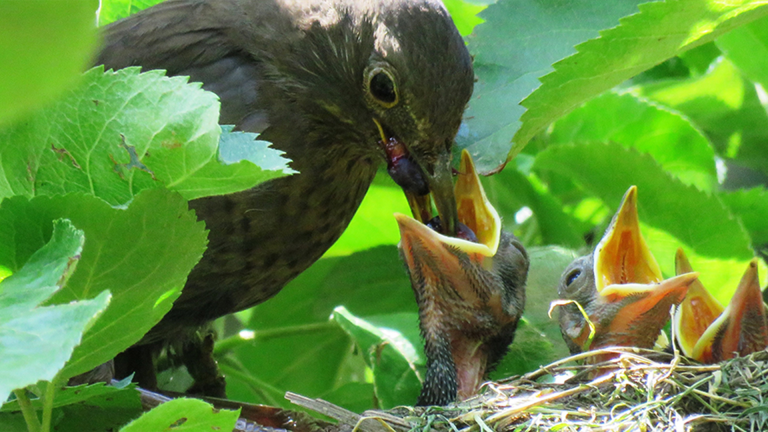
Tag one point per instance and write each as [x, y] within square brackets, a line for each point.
[697, 219]
[98, 407]
[73, 395]
[725, 106]
[751, 206]
[747, 48]
[37, 341]
[393, 358]
[44, 46]
[184, 415]
[464, 15]
[517, 44]
[293, 338]
[142, 255]
[635, 123]
[721, 103]
[113, 10]
[373, 224]
[547, 266]
[509, 190]
[94, 141]
[528, 352]
[661, 30]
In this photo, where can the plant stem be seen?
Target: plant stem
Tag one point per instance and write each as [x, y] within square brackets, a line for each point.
[30, 416]
[225, 345]
[48, 405]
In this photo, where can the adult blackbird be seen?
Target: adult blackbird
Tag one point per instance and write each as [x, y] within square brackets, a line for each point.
[620, 288]
[470, 291]
[340, 86]
[709, 333]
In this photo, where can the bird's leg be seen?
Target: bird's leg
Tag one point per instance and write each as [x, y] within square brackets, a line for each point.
[197, 356]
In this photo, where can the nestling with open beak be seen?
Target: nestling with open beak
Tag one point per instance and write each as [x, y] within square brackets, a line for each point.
[709, 333]
[470, 291]
[620, 287]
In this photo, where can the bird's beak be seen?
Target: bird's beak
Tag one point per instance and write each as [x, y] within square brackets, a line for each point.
[630, 285]
[422, 182]
[440, 183]
[439, 271]
[739, 329]
[473, 210]
[697, 311]
[622, 256]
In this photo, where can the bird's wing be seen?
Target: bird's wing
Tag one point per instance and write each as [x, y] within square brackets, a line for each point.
[192, 38]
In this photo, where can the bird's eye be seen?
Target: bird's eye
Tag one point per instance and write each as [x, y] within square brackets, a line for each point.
[572, 277]
[382, 88]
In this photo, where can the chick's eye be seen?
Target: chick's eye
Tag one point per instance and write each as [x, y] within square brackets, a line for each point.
[383, 88]
[572, 277]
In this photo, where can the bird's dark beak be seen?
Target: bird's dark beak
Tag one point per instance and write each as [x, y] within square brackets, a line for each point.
[421, 181]
[473, 210]
[708, 333]
[628, 278]
[439, 272]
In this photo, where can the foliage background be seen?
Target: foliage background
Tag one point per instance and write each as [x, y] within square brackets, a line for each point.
[580, 99]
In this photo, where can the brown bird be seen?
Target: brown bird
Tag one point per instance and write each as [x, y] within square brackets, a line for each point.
[470, 291]
[709, 333]
[340, 86]
[620, 288]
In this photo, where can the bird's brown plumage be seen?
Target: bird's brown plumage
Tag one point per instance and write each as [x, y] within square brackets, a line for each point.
[301, 73]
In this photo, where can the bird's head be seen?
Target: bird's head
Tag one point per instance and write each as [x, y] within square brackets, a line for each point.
[396, 74]
[709, 333]
[620, 287]
[470, 291]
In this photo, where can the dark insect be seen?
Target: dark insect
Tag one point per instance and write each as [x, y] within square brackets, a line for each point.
[462, 231]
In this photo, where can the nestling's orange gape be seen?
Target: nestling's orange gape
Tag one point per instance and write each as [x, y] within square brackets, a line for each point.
[709, 333]
[620, 287]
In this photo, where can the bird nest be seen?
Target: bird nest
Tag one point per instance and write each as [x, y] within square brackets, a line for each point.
[638, 390]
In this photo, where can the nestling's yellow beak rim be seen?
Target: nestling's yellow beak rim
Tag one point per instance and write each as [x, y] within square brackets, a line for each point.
[697, 311]
[623, 263]
[474, 210]
[743, 319]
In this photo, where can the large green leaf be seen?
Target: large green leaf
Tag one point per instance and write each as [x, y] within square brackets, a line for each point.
[113, 10]
[464, 14]
[517, 44]
[293, 339]
[747, 48]
[661, 30]
[722, 104]
[184, 415]
[142, 255]
[373, 224]
[397, 361]
[635, 123]
[121, 132]
[37, 341]
[44, 46]
[751, 206]
[510, 190]
[697, 219]
[94, 408]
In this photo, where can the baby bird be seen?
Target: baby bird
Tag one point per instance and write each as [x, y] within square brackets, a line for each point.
[470, 291]
[620, 288]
